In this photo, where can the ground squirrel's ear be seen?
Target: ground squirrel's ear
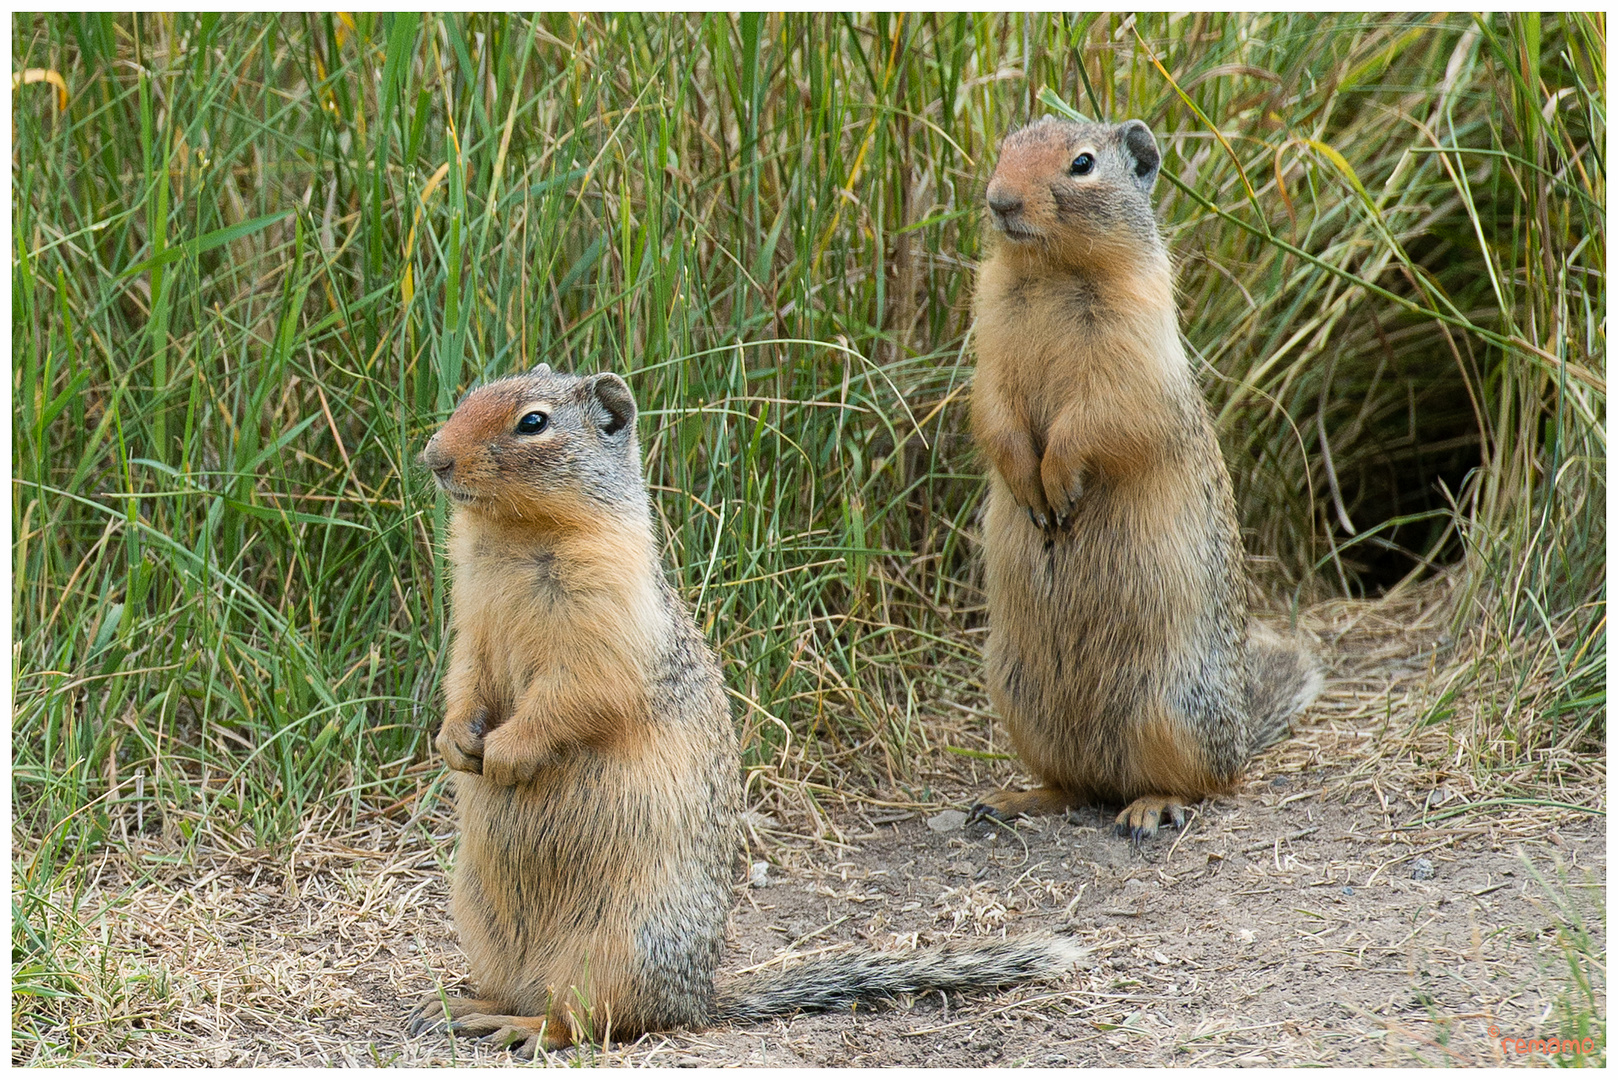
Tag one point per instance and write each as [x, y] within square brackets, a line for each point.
[540, 368]
[614, 405]
[1142, 146]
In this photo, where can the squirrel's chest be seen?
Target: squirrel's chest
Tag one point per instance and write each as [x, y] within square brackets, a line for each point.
[490, 583]
[513, 610]
[1037, 334]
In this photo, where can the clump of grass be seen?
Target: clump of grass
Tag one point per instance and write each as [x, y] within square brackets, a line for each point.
[258, 257]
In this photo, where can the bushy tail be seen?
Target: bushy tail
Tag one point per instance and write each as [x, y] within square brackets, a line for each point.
[1284, 678]
[837, 981]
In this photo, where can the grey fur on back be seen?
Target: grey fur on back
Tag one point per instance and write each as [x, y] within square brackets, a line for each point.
[866, 976]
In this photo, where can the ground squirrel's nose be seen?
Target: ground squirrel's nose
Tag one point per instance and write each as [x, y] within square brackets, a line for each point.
[440, 463]
[1003, 202]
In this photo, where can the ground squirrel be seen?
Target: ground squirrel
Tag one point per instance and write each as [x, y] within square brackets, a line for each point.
[597, 771]
[1120, 654]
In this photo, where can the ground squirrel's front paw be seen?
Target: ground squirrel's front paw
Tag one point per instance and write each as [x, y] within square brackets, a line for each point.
[1064, 488]
[1140, 819]
[1026, 493]
[1011, 452]
[460, 741]
[509, 759]
[1034, 507]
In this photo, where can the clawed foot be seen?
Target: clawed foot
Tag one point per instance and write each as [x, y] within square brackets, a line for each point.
[1008, 805]
[1065, 505]
[460, 741]
[1140, 819]
[1052, 525]
[1063, 483]
[522, 1035]
[436, 1014]
[510, 758]
[982, 811]
[1037, 519]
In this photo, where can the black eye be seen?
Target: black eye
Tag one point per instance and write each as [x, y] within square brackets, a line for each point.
[1083, 165]
[532, 424]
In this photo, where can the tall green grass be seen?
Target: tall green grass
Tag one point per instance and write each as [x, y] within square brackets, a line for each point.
[257, 258]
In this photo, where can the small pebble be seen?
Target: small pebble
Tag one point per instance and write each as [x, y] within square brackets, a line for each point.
[1421, 870]
[946, 821]
[758, 875]
[1348, 890]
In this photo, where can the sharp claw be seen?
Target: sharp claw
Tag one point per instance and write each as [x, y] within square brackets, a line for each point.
[422, 1021]
[984, 812]
[1178, 814]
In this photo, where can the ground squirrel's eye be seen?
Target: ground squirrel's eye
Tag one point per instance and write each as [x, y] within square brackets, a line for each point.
[1083, 165]
[532, 424]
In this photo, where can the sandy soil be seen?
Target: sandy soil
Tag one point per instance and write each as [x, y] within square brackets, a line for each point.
[1360, 900]
[1280, 927]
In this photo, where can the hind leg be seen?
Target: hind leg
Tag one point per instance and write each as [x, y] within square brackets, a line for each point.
[437, 1013]
[1171, 766]
[1006, 805]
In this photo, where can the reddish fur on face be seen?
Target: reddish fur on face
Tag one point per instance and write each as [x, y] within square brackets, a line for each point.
[492, 472]
[1100, 223]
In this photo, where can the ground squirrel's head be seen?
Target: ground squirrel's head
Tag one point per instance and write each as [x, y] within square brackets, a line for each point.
[541, 447]
[1077, 192]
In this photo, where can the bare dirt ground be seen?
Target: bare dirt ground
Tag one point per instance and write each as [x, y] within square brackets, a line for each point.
[1343, 907]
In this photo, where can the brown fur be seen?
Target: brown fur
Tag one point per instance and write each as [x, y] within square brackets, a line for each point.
[1117, 654]
[597, 772]
[596, 780]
